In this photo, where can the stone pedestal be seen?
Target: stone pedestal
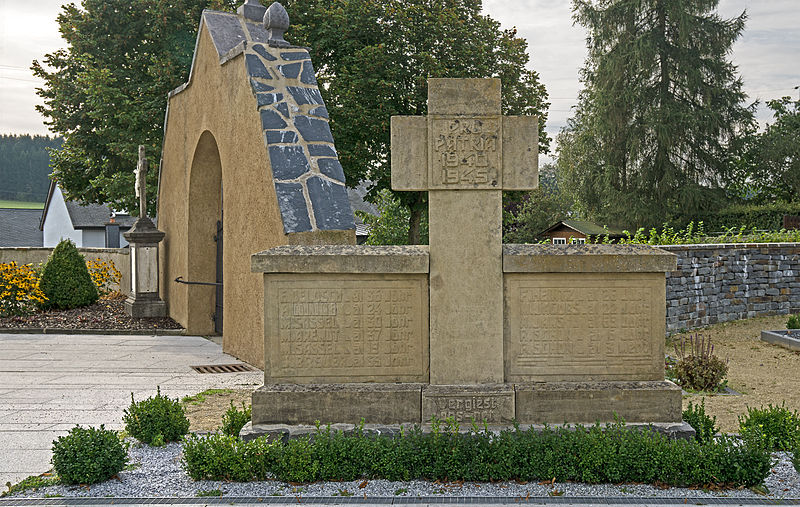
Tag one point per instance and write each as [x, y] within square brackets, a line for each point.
[144, 300]
[467, 328]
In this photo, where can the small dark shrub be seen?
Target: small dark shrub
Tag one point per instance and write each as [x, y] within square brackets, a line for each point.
[65, 280]
[234, 420]
[698, 368]
[704, 425]
[156, 420]
[793, 322]
[88, 455]
[796, 457]
[777, 425]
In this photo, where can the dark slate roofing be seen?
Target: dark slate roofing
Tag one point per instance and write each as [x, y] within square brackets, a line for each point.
[20, 227]
[87, 216]
[308, 177]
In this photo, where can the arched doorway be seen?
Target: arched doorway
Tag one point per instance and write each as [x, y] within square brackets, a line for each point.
[204, 245]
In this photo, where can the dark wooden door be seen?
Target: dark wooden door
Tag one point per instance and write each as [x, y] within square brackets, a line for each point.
[219, 291]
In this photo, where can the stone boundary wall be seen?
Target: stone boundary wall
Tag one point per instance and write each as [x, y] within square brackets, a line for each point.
[34, 255]
[723, 282]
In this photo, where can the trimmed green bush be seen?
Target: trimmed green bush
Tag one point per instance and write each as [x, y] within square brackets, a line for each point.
[65, 280]
[777, 425]
[704, 425]
[88, 455]
[156, 420]
[587, 454]
[793, 322]
[234, 419]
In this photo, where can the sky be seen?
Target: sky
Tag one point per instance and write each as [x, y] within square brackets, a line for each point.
[767, 54]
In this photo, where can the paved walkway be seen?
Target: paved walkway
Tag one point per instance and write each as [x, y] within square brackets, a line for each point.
[50, 383]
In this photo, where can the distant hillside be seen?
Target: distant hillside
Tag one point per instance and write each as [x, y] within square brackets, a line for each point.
[25, 166]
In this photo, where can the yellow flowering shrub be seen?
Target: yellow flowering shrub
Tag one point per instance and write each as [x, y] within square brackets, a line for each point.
[105, 275]
[19, 289]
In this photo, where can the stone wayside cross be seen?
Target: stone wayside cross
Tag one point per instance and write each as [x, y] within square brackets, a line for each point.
[141, 182]
[465, 153]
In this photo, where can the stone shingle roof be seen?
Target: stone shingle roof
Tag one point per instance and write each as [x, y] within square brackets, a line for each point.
[87, 216]
[20, 227]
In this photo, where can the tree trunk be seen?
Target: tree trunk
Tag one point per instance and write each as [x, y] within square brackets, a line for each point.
[414, 218]
[413, 224]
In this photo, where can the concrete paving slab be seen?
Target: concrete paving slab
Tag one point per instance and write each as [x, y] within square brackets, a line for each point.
[50, 383]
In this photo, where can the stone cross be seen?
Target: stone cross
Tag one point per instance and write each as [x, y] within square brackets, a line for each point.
[465, 153]
[141, 182]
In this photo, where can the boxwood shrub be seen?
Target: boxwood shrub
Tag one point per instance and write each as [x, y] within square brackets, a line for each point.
[65, 279]
[156, 420]
[88, 455]
[594, 454]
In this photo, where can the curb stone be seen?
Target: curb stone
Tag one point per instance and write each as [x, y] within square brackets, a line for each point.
[54, 330]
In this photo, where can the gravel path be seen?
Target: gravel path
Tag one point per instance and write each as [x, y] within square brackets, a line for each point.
[157, 472]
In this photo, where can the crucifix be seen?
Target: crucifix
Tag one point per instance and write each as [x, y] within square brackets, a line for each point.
[464, 154]
[141, 182]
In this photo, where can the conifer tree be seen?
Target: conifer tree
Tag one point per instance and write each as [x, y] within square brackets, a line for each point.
[661, 106]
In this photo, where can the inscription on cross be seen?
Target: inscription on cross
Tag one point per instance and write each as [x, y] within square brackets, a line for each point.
[465, 153]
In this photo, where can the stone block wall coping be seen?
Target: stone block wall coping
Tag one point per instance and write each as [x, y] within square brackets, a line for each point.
[589, 258]
[727, 246]
[342, 259]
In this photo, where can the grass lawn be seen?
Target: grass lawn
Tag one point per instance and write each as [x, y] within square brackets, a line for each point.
[762, 372]
[21, 204]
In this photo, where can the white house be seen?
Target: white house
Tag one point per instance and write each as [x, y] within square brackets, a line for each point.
[84, 224]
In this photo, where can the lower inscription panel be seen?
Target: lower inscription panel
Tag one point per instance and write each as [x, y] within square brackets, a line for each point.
[346, 328]
[588, 326]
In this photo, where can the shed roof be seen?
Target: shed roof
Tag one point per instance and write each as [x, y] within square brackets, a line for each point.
[585, 227]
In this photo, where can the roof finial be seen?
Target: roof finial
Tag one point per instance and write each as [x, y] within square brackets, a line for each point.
[276, 21]
[252, 10]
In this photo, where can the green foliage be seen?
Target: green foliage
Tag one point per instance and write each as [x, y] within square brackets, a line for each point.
[766, 216]
[769, 169]
[197, 399]
[156, 420]
[25, 166]
[796, 457]
[793, 322]
[698, 368]
[525, 215]
[105, 92]
[88, 455]
[373, 61]
[652, 132]
[33, 482]
[234, 419]
[777, 425]
[65, 279]
[696, 234]
[587, 454]
[391, 226]
[705, 426]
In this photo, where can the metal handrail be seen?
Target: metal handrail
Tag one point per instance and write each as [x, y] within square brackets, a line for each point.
[181, 280]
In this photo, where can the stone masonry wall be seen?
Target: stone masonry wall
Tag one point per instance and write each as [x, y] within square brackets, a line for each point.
[720, 283]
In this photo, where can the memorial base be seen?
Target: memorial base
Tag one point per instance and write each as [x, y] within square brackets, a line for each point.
[494, 404]
[143, 309]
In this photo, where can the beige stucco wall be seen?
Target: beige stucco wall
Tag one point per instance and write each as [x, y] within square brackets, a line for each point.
[120, 257]
[220, 103]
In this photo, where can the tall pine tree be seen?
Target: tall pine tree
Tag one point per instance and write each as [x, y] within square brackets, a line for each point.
[662, 102]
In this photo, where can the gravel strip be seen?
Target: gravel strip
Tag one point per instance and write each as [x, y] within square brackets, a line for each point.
[157, 472]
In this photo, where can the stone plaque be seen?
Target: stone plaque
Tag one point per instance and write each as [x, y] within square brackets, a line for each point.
[492, 404]
[325, 328]
[465, 152]
[584, 327]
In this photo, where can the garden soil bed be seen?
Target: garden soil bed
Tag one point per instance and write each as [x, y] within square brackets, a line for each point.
[764, 373]
[106, 314]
